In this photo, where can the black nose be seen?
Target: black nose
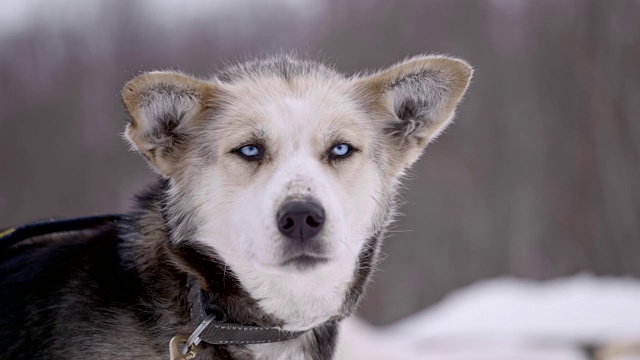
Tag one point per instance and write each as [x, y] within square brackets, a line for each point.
[300, 220]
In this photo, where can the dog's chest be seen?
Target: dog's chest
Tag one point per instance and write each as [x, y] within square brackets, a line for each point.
[288, 350]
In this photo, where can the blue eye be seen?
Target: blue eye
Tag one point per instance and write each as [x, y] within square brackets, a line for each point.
[341, 150]
[249, 150]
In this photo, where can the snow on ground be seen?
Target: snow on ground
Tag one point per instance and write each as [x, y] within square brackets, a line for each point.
[508, 319]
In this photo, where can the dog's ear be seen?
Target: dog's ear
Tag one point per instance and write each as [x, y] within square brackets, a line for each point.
[417, 98]
[162, 106]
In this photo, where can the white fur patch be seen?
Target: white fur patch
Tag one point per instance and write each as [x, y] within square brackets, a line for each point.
[287, 350]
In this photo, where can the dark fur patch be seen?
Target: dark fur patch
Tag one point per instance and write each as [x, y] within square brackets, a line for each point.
[367, 260]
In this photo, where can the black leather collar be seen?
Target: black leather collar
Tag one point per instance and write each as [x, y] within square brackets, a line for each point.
[212, 326]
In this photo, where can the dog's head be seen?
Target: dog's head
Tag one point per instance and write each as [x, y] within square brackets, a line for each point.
[285, 167]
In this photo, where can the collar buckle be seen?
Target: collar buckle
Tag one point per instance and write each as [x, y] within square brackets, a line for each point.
[214, 314]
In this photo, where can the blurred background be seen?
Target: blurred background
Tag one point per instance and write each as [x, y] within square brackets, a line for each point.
[538, 178]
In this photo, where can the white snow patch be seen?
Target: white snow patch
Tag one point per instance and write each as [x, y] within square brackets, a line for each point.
[508, 319]
[580, 309]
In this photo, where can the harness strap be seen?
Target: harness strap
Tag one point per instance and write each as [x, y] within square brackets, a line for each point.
[13, 236]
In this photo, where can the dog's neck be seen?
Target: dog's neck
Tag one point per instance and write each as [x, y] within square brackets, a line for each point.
[165, 266]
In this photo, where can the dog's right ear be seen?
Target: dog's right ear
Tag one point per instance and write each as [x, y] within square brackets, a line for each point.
[162, 105]
[418, 98]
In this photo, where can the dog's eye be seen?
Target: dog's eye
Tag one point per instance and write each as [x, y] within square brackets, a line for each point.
[341, 151]
[250, 152]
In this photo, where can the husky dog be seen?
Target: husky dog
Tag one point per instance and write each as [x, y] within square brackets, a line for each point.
[277, 182]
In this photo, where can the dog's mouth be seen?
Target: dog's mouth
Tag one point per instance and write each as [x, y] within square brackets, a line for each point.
[304, 262]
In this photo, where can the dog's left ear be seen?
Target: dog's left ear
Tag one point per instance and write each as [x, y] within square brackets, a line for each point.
[163, 106]
[417, 98]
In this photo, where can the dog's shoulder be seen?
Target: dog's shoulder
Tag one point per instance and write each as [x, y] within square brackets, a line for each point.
[69, 270]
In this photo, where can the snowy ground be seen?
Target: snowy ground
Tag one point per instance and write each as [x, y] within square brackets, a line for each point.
[509, 319]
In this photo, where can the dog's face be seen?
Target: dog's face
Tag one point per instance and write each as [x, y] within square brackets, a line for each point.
[292, 188]
[287, 168]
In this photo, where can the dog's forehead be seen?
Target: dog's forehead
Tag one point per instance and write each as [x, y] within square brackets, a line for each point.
[287, 110]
